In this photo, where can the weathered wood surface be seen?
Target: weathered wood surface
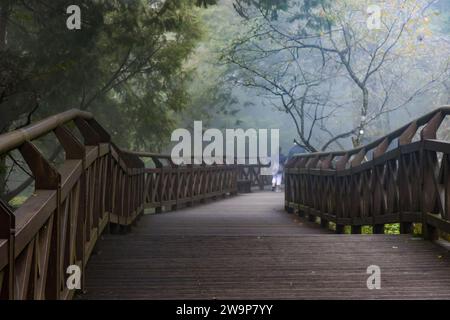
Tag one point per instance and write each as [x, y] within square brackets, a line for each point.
[248, 247]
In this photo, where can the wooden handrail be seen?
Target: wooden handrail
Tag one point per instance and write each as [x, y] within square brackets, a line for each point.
[405, 184]
[98, 185]
[14, 139]
[144, 154]
[444, 110]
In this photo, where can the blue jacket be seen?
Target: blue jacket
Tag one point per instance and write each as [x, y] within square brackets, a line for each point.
[294, 150]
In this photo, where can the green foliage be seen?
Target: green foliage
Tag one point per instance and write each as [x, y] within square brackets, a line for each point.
[270, 8]
[125, 64]
[307, 13]
[393, 228]
[417, 229]
[17, 201]
[367, 230]
[210, 96]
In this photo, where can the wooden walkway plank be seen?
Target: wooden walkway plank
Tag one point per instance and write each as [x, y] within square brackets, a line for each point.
[247, 247]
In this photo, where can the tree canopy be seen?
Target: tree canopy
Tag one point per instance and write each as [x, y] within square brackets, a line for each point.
[313, 68]
[125, 64]
[320, 62]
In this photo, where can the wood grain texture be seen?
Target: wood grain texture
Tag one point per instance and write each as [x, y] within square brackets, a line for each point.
[247, 247]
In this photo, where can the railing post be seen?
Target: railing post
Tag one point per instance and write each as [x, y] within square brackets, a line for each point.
[406, 227]
[378, 152]
[355, 206]
[340, 186]
[159, 209]
[299, 196]
[287, 190]
[47, 178]
[325, 164]
[261, 177]
[191, 184]
[378, 229]
[356, 229]
[92, 138]
[158, 171]
[74, 150]
[429, 163]
[233, 177]
[8, 232]
[312, 163]
[177, 187]
[340, 229]
[404, 201]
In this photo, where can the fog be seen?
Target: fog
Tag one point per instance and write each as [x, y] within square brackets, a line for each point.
[403, 66]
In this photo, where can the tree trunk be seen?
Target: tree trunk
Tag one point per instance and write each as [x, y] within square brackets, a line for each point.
[4, 15]
[362, 121]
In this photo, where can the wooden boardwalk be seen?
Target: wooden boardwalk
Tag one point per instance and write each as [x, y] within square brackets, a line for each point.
[247, 247]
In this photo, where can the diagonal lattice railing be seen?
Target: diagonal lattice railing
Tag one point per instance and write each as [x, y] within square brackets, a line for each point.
[402, 177]
[96, 185]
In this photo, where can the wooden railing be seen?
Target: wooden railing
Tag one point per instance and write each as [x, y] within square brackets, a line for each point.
[252, 173]
[394, 179]
[97, 184]
[169, 186]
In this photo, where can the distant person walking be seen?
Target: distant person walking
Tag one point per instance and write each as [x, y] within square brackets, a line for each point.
[277, 171]
[295, 149]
